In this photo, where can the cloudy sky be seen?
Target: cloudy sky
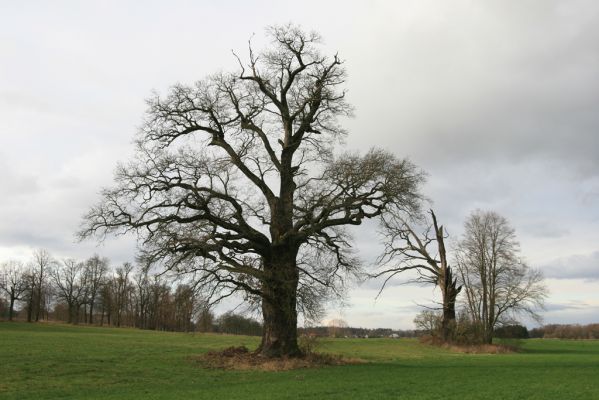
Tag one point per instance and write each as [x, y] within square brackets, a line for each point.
[497, 100]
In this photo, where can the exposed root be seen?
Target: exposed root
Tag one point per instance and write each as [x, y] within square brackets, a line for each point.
[240, 358]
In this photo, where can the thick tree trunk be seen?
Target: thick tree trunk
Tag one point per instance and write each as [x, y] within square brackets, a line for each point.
[448, 322]
[488, 333]
[450, 292]
[448, 284]
[279, 307]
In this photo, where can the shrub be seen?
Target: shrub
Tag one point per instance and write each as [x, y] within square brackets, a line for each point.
[511, 332]
[308, 343]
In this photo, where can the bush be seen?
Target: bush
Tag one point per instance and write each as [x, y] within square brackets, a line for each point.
[511, 332]
[429, 322]
[238, 325]
[308, 343]
[467, 332]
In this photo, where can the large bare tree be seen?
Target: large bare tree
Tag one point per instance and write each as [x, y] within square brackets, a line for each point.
[423, 251]
[498, 285]
[235, 180]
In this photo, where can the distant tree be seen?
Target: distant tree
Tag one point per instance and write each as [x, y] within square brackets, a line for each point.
[40, 265]
[238, 325]
[95, 269]
[406, 249]
[498, 285]
[235, 180]
[142, 298]
[30, 293]
[337, 327]
[511, 332]
[122, 292]
[70, 283]
[185, 304]
[106, 298]
[205, 319]
[428, 321]
[13, 282]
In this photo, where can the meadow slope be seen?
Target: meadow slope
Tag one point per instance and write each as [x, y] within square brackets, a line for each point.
[51, 361]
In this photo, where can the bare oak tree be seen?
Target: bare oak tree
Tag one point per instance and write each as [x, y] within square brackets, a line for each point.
[498, 285]
[235, 181]
[407, 249]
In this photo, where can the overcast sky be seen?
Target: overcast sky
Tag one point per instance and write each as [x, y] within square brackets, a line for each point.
[498, 101]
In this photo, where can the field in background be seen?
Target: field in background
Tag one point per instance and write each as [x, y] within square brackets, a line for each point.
[47, 361]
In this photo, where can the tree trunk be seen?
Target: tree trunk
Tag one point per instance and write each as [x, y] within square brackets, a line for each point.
[70, 316]
[448, 284]
[30, 307]
[488, 334]
[11, 307]
[39, 301]
[279, 307]
[102, 316]
[448, 321]
[91, 312]
[450, 291]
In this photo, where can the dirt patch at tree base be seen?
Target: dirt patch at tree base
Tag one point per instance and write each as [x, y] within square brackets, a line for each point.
[240, 358]
[481, 348]
[470, 348]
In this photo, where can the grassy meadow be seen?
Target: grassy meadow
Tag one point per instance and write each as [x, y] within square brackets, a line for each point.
[53, 361]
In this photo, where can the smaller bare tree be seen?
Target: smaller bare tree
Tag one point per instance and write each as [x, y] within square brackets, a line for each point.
[424, 252]
[499, 286]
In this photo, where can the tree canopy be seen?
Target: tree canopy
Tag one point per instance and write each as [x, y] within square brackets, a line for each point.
[236, 180]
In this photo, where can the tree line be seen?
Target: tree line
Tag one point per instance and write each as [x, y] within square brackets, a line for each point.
[93, 292]
[566, 331]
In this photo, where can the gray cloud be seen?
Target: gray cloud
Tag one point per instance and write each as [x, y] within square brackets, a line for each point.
[575, 305]
[16, 183]
[579, 266]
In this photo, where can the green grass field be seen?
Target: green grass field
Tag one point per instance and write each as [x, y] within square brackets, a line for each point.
[47, 361]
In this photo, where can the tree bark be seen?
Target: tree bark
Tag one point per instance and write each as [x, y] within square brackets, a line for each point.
[448, 321]
[30, 307]
[39, 299]
[91, 312]
[447, 283]
[279, 306]
[11, 307]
